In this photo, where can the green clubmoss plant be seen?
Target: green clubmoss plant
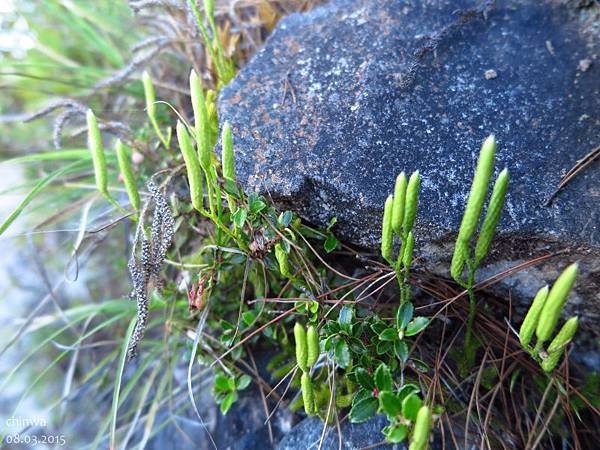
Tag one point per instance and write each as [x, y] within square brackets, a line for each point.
[555, 302]
[399, 214]
[531, 319]
[150, 98]
[420, 437]
[307, 354]
[542, 317]
[224, 66]
[468, 228]
[124, 161]
[228, 161]
[194, 173]
[96, 148]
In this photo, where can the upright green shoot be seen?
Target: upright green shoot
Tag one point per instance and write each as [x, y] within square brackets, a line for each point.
[307, 353]
[468, 228]
[399, 214]
[543, 316]
[224, 66]
[194, 173]
[151, 108]
[127, 173]
[99, 159]
[203, 141]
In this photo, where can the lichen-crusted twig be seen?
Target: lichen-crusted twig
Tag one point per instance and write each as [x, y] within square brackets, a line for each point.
[59, 124]
[145, 267]
[57, 104]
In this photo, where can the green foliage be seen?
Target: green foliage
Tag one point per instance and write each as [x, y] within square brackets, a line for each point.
[468, 227]
[399, 214]
[192, 165]
[226, 389]
[331, 243]
[374, 352]
[543, 316]
[150, 97]
[422, 429]
[472, 214]
[531, 319]
[124, 161]
[379, 394]
[555, 302]
[39, 186]
[73, 46]
[224, 66]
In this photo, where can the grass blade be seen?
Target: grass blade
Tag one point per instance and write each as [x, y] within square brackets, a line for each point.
[117, 389]
[36, 190]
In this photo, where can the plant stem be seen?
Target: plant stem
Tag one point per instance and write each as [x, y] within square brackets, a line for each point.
[161, 136]
[469, 349]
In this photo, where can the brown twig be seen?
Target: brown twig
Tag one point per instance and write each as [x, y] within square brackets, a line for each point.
[580, 165]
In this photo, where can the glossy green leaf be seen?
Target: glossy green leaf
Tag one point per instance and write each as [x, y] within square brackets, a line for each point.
[221, 383]
[417, 325]
[239, 217]
[390, 403]
[410, 406]
[401, 350]
[342, 354]
[361, 395]
[285, 218]
[407, 390]
[383, 378]
[364, 410]
[228, 401]
[345, 318]
[363, 378]
[243, 382]
[330, 243]
[404, 315]
[396, 434]
[389, 334]
[384, 347]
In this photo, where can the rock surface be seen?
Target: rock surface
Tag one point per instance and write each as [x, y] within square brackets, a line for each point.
[307, 434]
[242, 428]
[343, 98]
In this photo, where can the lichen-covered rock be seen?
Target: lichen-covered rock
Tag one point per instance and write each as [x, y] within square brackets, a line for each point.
[307, 434]
[242, 428]
[343, 98]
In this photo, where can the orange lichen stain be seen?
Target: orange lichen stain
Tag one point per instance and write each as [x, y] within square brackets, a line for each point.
[236, 99]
